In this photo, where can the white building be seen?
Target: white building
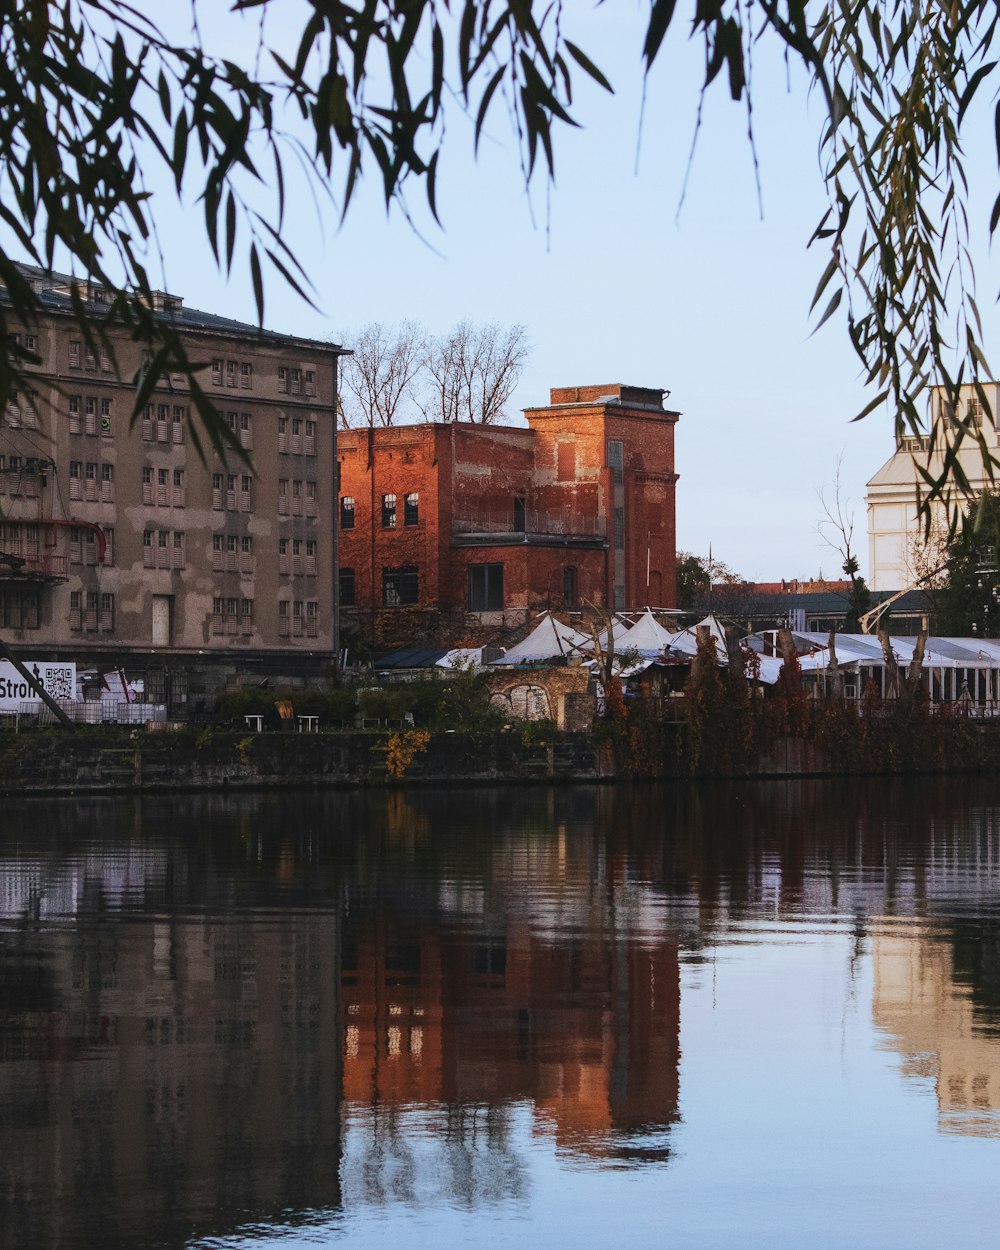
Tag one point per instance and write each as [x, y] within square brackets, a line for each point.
[894, 529]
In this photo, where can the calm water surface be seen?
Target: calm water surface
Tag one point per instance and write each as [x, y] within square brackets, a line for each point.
[745, 1015]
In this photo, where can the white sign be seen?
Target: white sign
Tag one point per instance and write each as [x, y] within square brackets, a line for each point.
[59, 681]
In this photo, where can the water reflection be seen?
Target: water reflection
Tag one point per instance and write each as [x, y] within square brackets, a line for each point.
[223, 1012]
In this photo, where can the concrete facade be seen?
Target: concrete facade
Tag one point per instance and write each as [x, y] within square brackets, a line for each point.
[450, 531]
[122, 544]
[894, 528]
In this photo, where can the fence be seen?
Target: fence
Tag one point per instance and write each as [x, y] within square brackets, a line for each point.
[104, 713]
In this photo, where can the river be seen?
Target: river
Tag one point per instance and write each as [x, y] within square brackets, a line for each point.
[737, 1015]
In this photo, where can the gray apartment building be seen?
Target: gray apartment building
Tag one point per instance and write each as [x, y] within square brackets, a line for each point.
[121, 546]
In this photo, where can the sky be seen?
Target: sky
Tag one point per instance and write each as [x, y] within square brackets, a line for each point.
[616, 280]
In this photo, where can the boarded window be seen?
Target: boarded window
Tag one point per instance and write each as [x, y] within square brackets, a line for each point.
[566, 461]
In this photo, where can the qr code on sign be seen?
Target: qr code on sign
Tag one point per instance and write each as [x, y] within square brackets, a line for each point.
[59, 683]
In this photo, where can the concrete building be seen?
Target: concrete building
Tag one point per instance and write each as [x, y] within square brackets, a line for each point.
[448, 531]
[895, 531]
[121, 546]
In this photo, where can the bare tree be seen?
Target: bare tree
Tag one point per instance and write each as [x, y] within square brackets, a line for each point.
[378, 380]
[472, 372]
[836, 528]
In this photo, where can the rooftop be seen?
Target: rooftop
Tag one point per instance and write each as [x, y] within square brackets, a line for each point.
[53, 290]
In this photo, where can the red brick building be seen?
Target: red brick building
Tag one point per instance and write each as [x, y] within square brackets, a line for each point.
[450, 531]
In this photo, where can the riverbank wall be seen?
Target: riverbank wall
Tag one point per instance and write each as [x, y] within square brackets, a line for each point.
[98, 761]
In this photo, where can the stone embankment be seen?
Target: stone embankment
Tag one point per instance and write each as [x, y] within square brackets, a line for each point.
[53, 762]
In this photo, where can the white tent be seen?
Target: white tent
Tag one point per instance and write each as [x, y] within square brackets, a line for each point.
[686, 640]
[461, 657]
[957, 668]
[646, 636]
[549, 640]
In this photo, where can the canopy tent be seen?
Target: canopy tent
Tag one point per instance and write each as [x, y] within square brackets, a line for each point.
[549, 640]
[461, 657]
[686, 640]
[956, 667]
[646, 636]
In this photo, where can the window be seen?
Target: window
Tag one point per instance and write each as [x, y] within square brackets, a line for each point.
[105, 357]
[216, 372]
[90, 481]
[148, 556]
[411, 509]
[296, 381]
[74, 414]
[20, 609]
[520, 515]
[178, 557]
[282, 433]
[31, 343]
[310, 382]
[246, 492]
[245, 435]
[282, 496]
[246, 554]
[569, 586]
[388, 512]
[619, 529]
[231, 373]
[163, 549]
[347, 588]
[400, 586]
[310, 498]
[218, 553]
[283, 379]
[312, 618]
[486, 587]
[147, 422]
[107, 483]
[180, 416]
[161, 487]
[346, 512]
[75, 353]
[75, 609]
[106, 621]
[311, 555]
[283, 625]
[616, 459]
[309, 446]
[283, 565]
[217, 491]
[246, 376]
[178, 495]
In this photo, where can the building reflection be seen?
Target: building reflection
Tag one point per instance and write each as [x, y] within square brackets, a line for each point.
[584, 1031]
[929, 1016]
[222, 1011]
[166, 1079]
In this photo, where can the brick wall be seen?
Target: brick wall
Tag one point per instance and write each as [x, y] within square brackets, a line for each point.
[540, 502]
